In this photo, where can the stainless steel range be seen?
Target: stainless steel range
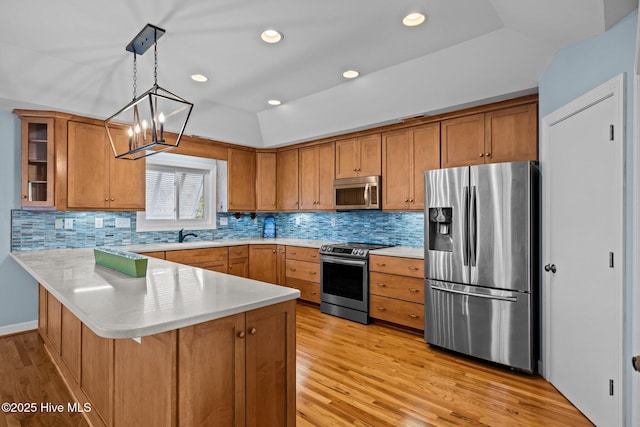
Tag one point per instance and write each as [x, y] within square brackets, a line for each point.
[344, 280]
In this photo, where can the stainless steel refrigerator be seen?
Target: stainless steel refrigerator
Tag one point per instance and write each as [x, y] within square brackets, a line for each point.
[481, 261]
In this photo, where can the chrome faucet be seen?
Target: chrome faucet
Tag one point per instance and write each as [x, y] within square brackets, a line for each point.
[182, 236]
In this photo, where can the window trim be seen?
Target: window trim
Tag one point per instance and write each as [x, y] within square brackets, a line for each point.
[190, 163]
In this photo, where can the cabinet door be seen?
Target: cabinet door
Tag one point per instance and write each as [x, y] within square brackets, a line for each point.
[511, 134]
[263, 263]
[145, 381]
[42, 311]
[396, 163]
[280, 264]
[54, 322]
[271, 365]
[370, 155]
[241, 176]
[425, 156]
[287, 180]
[88, 167]
[462, 141]
[96, 378]
[239, 267]
[326, 172]
[70, 342]
[127, 179]
[309, 176]
[38, 163]
[211, 369]
[266, 181]
[346, 158]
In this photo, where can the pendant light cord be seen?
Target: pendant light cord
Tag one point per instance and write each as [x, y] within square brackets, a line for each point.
[155, 58]
[135, 75]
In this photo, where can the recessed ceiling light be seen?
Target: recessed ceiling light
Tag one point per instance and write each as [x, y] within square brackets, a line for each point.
[271, 36]
[274, 102]
[350, 74]
[199, 78]
[413, 19]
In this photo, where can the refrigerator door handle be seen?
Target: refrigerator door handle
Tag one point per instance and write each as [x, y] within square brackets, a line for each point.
[465, 226]
[473, 227]
[473, 294]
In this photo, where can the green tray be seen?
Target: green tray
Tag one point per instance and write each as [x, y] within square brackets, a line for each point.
[125, 262]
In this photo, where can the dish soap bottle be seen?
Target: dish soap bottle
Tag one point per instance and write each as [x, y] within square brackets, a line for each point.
[269, 228]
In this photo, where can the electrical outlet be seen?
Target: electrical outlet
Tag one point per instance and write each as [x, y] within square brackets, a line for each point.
[333, 222]
[123, 223]
[99, 223]
[297, 220]
[224, 220]
[59, 224]
[68, 223]
[255, 221]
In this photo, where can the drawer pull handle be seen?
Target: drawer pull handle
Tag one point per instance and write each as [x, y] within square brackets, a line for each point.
[381, 308]
[313, 273]
[382, 285]
[252, 331]
[313, 293]
[381, 264]
[413, 268]
[414, 316]
[292, 269]
[414, 290]
[314, 256]
[294, 253]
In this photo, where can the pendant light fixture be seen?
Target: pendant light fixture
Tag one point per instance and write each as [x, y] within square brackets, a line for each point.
[139, 129]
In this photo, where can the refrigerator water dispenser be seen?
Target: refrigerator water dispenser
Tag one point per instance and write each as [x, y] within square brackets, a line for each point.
[440, 229]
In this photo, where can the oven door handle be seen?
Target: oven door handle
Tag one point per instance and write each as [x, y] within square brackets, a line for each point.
[339, 260]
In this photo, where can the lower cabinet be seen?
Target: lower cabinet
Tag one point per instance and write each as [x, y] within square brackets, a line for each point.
[215, 259]
[234, 371]
[263, 263]
[302, 271]
[396, 290]
[239, 260]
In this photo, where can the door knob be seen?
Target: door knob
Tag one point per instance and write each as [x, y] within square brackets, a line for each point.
[550, 267]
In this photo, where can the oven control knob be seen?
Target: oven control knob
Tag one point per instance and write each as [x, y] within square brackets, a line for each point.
[323, 248]
[360, 251]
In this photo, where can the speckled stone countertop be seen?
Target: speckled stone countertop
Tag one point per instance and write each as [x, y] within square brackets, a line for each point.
[171, 296]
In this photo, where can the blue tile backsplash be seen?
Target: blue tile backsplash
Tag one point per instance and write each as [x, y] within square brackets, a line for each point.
[34, 230]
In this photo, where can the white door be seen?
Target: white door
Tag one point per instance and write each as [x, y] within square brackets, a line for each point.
[582, 236]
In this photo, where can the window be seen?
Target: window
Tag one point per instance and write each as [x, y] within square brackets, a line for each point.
[180, 193]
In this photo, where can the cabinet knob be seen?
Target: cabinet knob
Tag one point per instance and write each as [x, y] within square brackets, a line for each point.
[487, 154]
[481, 155]
[241, 334]
[112, 199]
[355, 170]
[273, 251]
[252, 331]
[273, 203]
[24, 197]
[406, 200]
[411, 200]
[106, 199]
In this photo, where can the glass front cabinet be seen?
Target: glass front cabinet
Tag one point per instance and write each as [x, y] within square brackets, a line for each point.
[38, 163]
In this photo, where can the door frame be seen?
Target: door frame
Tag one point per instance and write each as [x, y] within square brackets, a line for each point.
[615, 88]
[635, 321]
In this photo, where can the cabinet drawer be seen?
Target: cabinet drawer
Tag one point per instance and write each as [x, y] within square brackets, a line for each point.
[219, 266]
[393, 310]
[309, 291]
[303, 270]
[193, 256]
[394, 265]
[303, 254]
[241, 251]
[400, 287]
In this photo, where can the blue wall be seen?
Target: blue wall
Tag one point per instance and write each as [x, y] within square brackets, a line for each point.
[18, 291]
[574, 71]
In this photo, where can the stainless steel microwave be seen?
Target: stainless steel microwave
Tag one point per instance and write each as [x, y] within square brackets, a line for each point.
[356, 193]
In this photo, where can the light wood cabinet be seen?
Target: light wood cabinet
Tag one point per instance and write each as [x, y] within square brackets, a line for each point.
[503, 135]
[54, 322]
[96, 377]
[241, 178]
[214, 259]
[361, 156]
[287, 180]
[239, 370]
[281, 264]
[239, 260]
[42, 311]
[156, 254]
[96, 179]
[38, 163]
[266, 182]
[396, 288]
[317, 169]
[70, 342]
[406, 154]
[302, 272]
[263, 263]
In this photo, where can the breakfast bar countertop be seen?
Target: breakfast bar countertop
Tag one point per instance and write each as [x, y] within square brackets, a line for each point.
[171, 296]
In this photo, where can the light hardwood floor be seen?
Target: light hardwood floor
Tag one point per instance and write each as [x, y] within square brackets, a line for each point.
[347, 375]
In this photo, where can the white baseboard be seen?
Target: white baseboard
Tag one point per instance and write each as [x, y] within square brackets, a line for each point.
[18, 327]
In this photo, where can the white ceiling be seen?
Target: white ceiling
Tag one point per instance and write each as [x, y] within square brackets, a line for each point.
[69, 55]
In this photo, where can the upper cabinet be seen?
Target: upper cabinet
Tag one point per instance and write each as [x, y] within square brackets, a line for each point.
[361, 156]
[316, 176]
[266, 181]
[406, 154]
[38, 163]
[504, 135]
[241, 175]
[95, 178]
[287, 180]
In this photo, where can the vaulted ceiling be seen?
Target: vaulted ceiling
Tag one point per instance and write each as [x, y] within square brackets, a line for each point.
[69, 55]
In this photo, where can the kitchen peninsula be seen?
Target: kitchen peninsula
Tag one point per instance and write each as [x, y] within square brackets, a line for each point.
[181, 345]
